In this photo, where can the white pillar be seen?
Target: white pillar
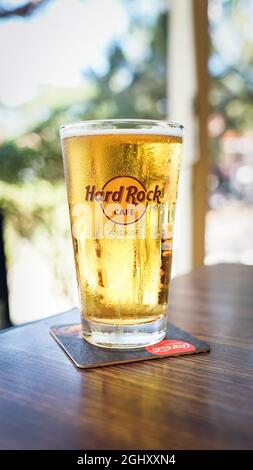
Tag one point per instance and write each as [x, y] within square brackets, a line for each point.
[181, 94]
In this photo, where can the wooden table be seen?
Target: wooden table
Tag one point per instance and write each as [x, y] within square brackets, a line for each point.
[193, 402]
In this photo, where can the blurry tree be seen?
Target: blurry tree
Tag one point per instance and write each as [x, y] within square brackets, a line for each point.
[127, 89]
[231, 87]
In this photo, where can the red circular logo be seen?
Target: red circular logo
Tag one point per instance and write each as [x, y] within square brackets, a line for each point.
[170, 347]
[125, 200]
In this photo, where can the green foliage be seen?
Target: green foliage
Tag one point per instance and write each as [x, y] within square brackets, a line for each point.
[145, 95]
[29, 204]
[231, 94]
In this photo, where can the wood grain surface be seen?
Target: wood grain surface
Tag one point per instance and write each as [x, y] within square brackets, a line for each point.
[190, 402]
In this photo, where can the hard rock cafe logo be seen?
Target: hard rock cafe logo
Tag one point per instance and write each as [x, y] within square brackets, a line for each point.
[123, 199]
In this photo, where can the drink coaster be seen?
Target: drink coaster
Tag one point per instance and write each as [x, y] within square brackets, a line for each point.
[85, 355]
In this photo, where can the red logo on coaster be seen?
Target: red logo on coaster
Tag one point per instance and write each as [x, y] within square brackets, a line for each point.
[170, 346]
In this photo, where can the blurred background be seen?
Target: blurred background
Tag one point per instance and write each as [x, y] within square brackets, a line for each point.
[61, 61]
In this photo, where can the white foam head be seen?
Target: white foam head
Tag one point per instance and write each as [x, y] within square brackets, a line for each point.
[108, 127]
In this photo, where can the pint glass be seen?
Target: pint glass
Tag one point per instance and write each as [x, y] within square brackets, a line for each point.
[122, 179]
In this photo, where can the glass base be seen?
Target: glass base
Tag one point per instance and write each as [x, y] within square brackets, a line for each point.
[124, 336]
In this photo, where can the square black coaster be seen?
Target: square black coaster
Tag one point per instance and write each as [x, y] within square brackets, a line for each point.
[85, 355]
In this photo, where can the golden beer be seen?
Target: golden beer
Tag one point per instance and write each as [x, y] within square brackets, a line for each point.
[122, 182]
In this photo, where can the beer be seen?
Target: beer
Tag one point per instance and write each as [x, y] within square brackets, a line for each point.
[122, 189]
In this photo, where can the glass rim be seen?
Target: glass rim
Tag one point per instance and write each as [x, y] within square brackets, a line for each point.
[123, 126]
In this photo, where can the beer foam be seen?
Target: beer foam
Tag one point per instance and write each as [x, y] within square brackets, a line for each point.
[78, 130]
